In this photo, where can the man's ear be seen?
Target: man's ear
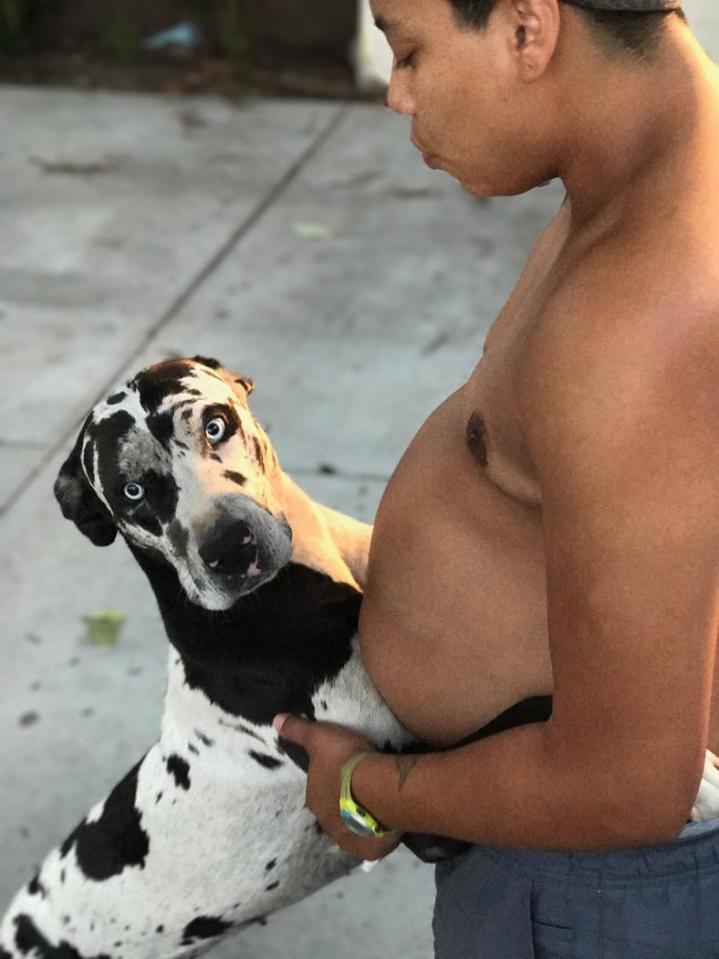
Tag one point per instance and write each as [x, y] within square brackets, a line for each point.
[79, 502]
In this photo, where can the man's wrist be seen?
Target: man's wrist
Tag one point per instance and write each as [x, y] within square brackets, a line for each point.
[381, 784]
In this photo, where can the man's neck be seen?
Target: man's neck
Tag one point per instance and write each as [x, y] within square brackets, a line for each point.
[632, 131]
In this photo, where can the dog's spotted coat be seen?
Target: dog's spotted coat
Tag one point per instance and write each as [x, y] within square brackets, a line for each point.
[259, 590]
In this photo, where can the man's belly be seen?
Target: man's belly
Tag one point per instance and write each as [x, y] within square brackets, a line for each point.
[453, 624]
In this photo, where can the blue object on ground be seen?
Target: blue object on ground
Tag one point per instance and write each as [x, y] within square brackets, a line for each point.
[187, 36]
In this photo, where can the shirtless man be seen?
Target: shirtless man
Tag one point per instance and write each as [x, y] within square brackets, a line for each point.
[554, 526]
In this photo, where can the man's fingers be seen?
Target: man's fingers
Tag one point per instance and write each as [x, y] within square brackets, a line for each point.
[293, 728]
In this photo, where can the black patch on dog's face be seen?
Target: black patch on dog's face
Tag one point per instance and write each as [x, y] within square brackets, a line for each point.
[29, 939]
[116, 841]
[179, 537]
[204, 927]
[116, 398]
[235, 477]
[259, 453]
[180, 770]
[162, 427]
[150, 524]
[269, 762]
[155, 384]
[162, 494]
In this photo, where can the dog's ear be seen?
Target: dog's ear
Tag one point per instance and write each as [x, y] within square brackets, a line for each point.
[208, 362]
[245, 382]
[79, 502]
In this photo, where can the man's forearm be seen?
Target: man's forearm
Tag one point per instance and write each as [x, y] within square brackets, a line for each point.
[509, 790]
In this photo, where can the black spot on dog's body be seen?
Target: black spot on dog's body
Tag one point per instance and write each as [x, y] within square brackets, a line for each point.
[158, 797]
[477, 439]
[204, 927]
[205, 740]
[235, 477]
[114, 842]
[180, 770]
[116, 398]
[270, 865]
[29, 939]
[160, 929]
[272, 885]
[269, 762]
[241, 728]
[193, 749]
[35, 887]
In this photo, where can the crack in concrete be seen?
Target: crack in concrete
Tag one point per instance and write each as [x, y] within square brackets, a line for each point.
[185, 296]
[336, 473]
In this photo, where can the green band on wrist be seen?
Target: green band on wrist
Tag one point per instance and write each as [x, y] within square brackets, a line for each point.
[356, 817]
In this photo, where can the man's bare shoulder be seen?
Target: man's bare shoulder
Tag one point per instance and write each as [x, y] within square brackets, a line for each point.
[637, 310]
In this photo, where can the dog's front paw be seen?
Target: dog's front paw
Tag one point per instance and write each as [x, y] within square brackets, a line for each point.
[706, 805]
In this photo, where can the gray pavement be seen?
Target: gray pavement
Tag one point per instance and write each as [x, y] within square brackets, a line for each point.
[301, 243]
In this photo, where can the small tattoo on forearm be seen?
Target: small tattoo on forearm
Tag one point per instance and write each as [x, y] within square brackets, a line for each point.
[405, 765]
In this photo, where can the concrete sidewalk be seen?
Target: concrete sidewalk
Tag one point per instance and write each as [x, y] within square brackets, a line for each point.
[304, 244]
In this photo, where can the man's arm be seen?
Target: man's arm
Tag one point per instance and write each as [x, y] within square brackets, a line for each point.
[621, 415]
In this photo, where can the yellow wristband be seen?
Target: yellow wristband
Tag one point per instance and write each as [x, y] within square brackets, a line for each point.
[356, 817]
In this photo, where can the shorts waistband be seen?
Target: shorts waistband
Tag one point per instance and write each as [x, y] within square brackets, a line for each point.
[685, 856]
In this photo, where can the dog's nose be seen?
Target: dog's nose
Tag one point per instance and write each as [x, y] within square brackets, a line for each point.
[230, 548]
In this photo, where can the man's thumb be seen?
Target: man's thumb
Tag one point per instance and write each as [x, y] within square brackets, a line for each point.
[292, 727]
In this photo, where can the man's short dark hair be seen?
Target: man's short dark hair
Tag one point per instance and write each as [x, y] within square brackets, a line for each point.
[619, 32]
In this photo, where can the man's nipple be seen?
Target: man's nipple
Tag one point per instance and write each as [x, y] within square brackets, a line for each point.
[477, 439]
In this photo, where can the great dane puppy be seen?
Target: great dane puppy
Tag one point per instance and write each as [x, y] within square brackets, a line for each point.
[259, 589]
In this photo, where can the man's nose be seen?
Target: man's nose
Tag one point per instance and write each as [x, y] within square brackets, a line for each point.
[398, 96]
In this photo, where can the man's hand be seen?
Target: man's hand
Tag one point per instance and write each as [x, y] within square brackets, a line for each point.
[329, 747]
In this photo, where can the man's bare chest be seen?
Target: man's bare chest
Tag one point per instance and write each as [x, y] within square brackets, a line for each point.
[495, 405]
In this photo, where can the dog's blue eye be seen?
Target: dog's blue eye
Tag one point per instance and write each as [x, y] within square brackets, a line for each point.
[215, 429]
[134, 491]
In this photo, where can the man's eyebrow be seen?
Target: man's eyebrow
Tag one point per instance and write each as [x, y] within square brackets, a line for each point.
[383, 24]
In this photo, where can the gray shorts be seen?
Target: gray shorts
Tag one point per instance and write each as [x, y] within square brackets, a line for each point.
[657, 902]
